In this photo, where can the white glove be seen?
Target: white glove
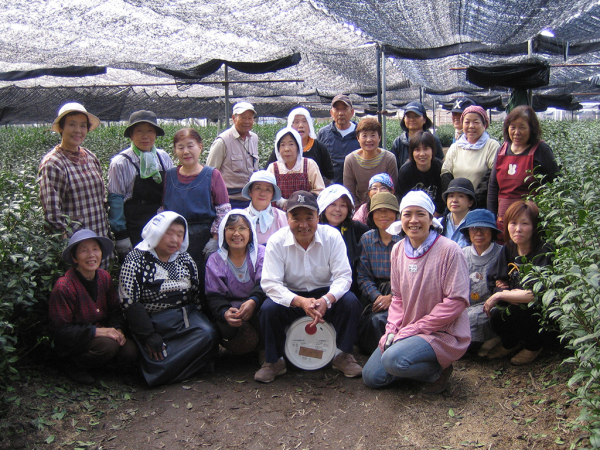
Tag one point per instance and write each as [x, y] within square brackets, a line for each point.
[123, 246]
[282, 203]
[211, 246]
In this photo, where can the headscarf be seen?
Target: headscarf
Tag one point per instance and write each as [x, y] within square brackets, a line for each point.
[478, 110]
[330, 194]
[415, 198]
[156, 228]
[382, 178]
[462, 141]
[298, 166]
[302, 112]
[252, 247]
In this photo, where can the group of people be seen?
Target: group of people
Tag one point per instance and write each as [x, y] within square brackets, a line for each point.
[394, 248]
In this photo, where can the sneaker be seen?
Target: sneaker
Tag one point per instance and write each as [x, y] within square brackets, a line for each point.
[500, 352]
[487, 346]
[439, 385]
[345, 363]
[269, 371]
[524, 357]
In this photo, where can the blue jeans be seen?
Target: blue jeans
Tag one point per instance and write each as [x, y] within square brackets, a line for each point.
[411, 358]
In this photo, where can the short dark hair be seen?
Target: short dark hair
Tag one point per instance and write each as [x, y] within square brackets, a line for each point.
[532, 212]
[63, 119]
[368, 123]
[527, 113]
[233, 218]
[181, 221]
[424, 138]
[186, 132]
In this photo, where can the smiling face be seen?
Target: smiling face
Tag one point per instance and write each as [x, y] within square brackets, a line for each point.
[383, 218]
[170, 242]
[456, 122]
[303, 224]
[423, 156]
[341, 114]
[458, 203]
[243, 122]
[88, 257]
[473, 127]
[261, 193]
[237, 234]
[74, 131]
[369, 140]
[188, 151]
[337, 212]
[520, 230]
[416, 222]
[143, 136]
[413, 121]
[519, 132]
[300, 124]
[288, 149]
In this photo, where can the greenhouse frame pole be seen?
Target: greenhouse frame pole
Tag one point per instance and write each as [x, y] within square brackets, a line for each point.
[383, 102]
[226, 84]
[378, 49]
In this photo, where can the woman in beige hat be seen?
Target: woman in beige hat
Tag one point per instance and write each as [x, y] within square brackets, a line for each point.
[70, 176]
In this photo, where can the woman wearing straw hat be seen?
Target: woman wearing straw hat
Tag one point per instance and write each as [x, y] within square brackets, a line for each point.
[136, 181]
[70, 176]
[84, 312]
[428, 325]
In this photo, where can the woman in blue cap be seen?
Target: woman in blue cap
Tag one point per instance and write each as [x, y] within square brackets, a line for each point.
[482, 255]
[415, 119]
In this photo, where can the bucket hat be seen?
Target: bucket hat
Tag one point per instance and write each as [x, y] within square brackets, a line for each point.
[106, 244]
[75, 107]
[143, 116]
[418, 108]
[479, 218]
[462, 185]
[267, 177]
[384, 200]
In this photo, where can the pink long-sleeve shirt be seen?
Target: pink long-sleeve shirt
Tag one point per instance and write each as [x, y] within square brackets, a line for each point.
[430, 297]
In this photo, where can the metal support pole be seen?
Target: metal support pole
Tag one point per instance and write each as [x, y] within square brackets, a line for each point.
[530, 53]
[226, 84]
[433, 112]
[383, 101]
[378, 49]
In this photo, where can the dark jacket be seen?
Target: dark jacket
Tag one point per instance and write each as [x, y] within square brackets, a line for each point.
[400, 148]
[339, 147]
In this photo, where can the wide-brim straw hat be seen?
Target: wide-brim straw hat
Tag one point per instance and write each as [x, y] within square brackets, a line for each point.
[78, 108]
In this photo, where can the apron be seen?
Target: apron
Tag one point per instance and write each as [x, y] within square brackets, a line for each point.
[292, 182]
[194, 202]
[511, 172]
[145, 200]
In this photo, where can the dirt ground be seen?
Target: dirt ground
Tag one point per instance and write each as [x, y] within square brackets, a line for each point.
[488, 405]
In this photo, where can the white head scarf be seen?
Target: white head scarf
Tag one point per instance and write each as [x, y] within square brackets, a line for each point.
[302, 112]
[330, 194]
[298, 166]
[415, 198]
[252, 246]
[156, 228]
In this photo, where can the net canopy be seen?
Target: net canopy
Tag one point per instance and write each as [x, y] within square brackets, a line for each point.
[172, 56]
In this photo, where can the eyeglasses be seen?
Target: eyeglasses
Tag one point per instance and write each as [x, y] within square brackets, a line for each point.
[239, 229]
[477, 230]
[379, 189]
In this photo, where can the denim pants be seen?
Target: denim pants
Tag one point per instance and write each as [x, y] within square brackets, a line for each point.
[274, 318]
[411, 358]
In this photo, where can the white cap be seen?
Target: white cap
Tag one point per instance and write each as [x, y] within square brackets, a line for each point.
[242, 107]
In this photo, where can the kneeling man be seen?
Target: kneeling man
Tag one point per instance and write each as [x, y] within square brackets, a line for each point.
[306, 273]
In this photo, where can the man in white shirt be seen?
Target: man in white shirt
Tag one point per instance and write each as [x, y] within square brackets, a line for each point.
[306, 273]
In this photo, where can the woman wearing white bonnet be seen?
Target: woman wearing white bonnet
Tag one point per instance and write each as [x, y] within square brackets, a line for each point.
[261, 190]
[300, 120]
[159, 294]
[428, 325]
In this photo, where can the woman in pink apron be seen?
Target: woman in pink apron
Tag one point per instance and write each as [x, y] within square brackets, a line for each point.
[292, 171]
[522, 154]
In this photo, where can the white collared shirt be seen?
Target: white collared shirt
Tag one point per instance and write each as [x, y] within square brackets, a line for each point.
[288, 268]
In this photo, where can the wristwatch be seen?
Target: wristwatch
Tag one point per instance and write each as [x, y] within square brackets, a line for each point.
[327, 302]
